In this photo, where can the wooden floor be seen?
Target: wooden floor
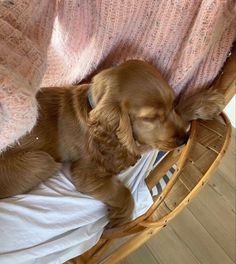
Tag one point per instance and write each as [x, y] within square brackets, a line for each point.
[204, 232]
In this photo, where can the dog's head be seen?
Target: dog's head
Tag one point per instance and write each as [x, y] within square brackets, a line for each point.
[134, 102]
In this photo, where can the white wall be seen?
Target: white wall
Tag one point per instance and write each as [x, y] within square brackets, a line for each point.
[230, 110]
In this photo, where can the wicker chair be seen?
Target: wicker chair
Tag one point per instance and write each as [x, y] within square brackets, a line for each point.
[195, 163]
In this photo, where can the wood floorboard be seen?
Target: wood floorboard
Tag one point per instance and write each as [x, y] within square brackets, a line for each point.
[218, 219]
[142, 256]
[167, 246]
[224, 189]
[198, 240]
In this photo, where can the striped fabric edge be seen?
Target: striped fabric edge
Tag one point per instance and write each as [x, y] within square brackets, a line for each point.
[160, 186]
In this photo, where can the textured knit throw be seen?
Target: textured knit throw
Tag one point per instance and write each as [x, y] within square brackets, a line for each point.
[49, 42]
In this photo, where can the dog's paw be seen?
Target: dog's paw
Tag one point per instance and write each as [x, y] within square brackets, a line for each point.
[122, 212]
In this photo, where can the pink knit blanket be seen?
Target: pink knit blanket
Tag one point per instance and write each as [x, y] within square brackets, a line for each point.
[49, 42]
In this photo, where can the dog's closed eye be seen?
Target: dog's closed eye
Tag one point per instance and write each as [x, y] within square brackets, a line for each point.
[150, 114]
[149, 119]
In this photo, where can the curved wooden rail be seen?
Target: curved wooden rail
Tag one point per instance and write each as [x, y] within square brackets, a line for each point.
[211, 141]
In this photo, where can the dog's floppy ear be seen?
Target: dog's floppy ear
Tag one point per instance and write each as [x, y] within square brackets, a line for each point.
[205, 104]
[108, 122]
[124, 131]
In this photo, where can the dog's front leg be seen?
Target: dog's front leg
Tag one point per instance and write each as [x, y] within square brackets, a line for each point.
[94, 181]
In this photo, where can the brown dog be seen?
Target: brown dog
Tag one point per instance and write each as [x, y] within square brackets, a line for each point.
[102, 128]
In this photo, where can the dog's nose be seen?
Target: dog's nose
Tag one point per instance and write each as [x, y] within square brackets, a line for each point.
[182, 140]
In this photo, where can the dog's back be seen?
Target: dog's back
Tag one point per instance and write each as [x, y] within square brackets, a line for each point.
[37, 155]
